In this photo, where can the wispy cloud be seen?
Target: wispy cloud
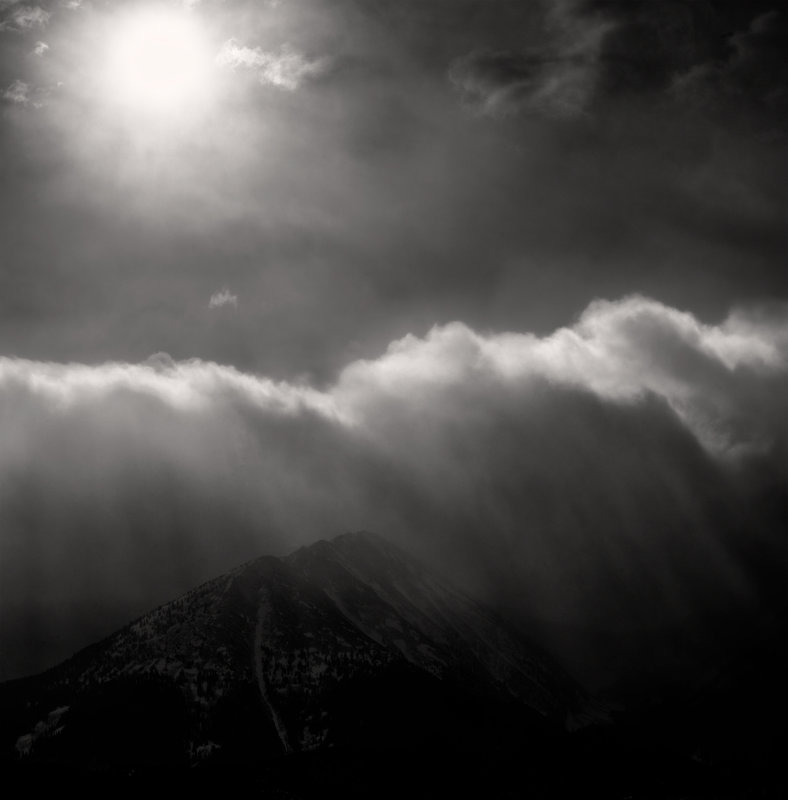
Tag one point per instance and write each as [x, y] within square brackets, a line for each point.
[25, 94]
[40, 49]
[223, 298]
[285, 69]
[18, 92]
[503, 83]
[23, 18]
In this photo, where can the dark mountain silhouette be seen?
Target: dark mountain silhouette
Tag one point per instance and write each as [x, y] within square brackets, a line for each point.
[318, 673]
[294, 642]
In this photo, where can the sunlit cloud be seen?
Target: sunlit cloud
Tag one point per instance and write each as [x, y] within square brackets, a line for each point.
[285, 69]
[620, 351]
[186, 386]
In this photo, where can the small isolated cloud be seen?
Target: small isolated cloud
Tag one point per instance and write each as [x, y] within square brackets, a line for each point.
[18, 92]
[223, 298]
[286, 69]
[72, 5]
[40, 48]
[22, 18]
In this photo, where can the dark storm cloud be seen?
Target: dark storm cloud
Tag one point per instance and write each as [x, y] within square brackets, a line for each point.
[600, 56]
[599, 475]
[749, 85]
[642, 46]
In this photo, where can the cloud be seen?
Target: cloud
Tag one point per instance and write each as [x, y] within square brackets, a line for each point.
[609, 473]
[40, 49]
[750, 81]
[505, 82]
[598, 55]
[184, 387]
[557, 78]
[23, 94]
[23, 18]
[620, 351]
[223, 298]
[641, 46]
[286, 69]
[18, 93]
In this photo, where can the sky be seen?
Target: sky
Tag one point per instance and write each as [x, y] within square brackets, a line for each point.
[502, 281]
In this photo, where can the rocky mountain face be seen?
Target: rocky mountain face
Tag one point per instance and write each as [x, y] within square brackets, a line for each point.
[344, 643]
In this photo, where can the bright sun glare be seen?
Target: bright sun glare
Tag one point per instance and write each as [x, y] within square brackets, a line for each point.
[158, 61]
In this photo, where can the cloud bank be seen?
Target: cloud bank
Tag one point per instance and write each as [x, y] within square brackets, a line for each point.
[614, 471]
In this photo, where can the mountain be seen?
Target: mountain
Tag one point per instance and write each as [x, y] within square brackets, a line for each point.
[343, 643]
[348, 669]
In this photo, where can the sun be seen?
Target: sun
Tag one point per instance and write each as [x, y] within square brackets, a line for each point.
[158, 61]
